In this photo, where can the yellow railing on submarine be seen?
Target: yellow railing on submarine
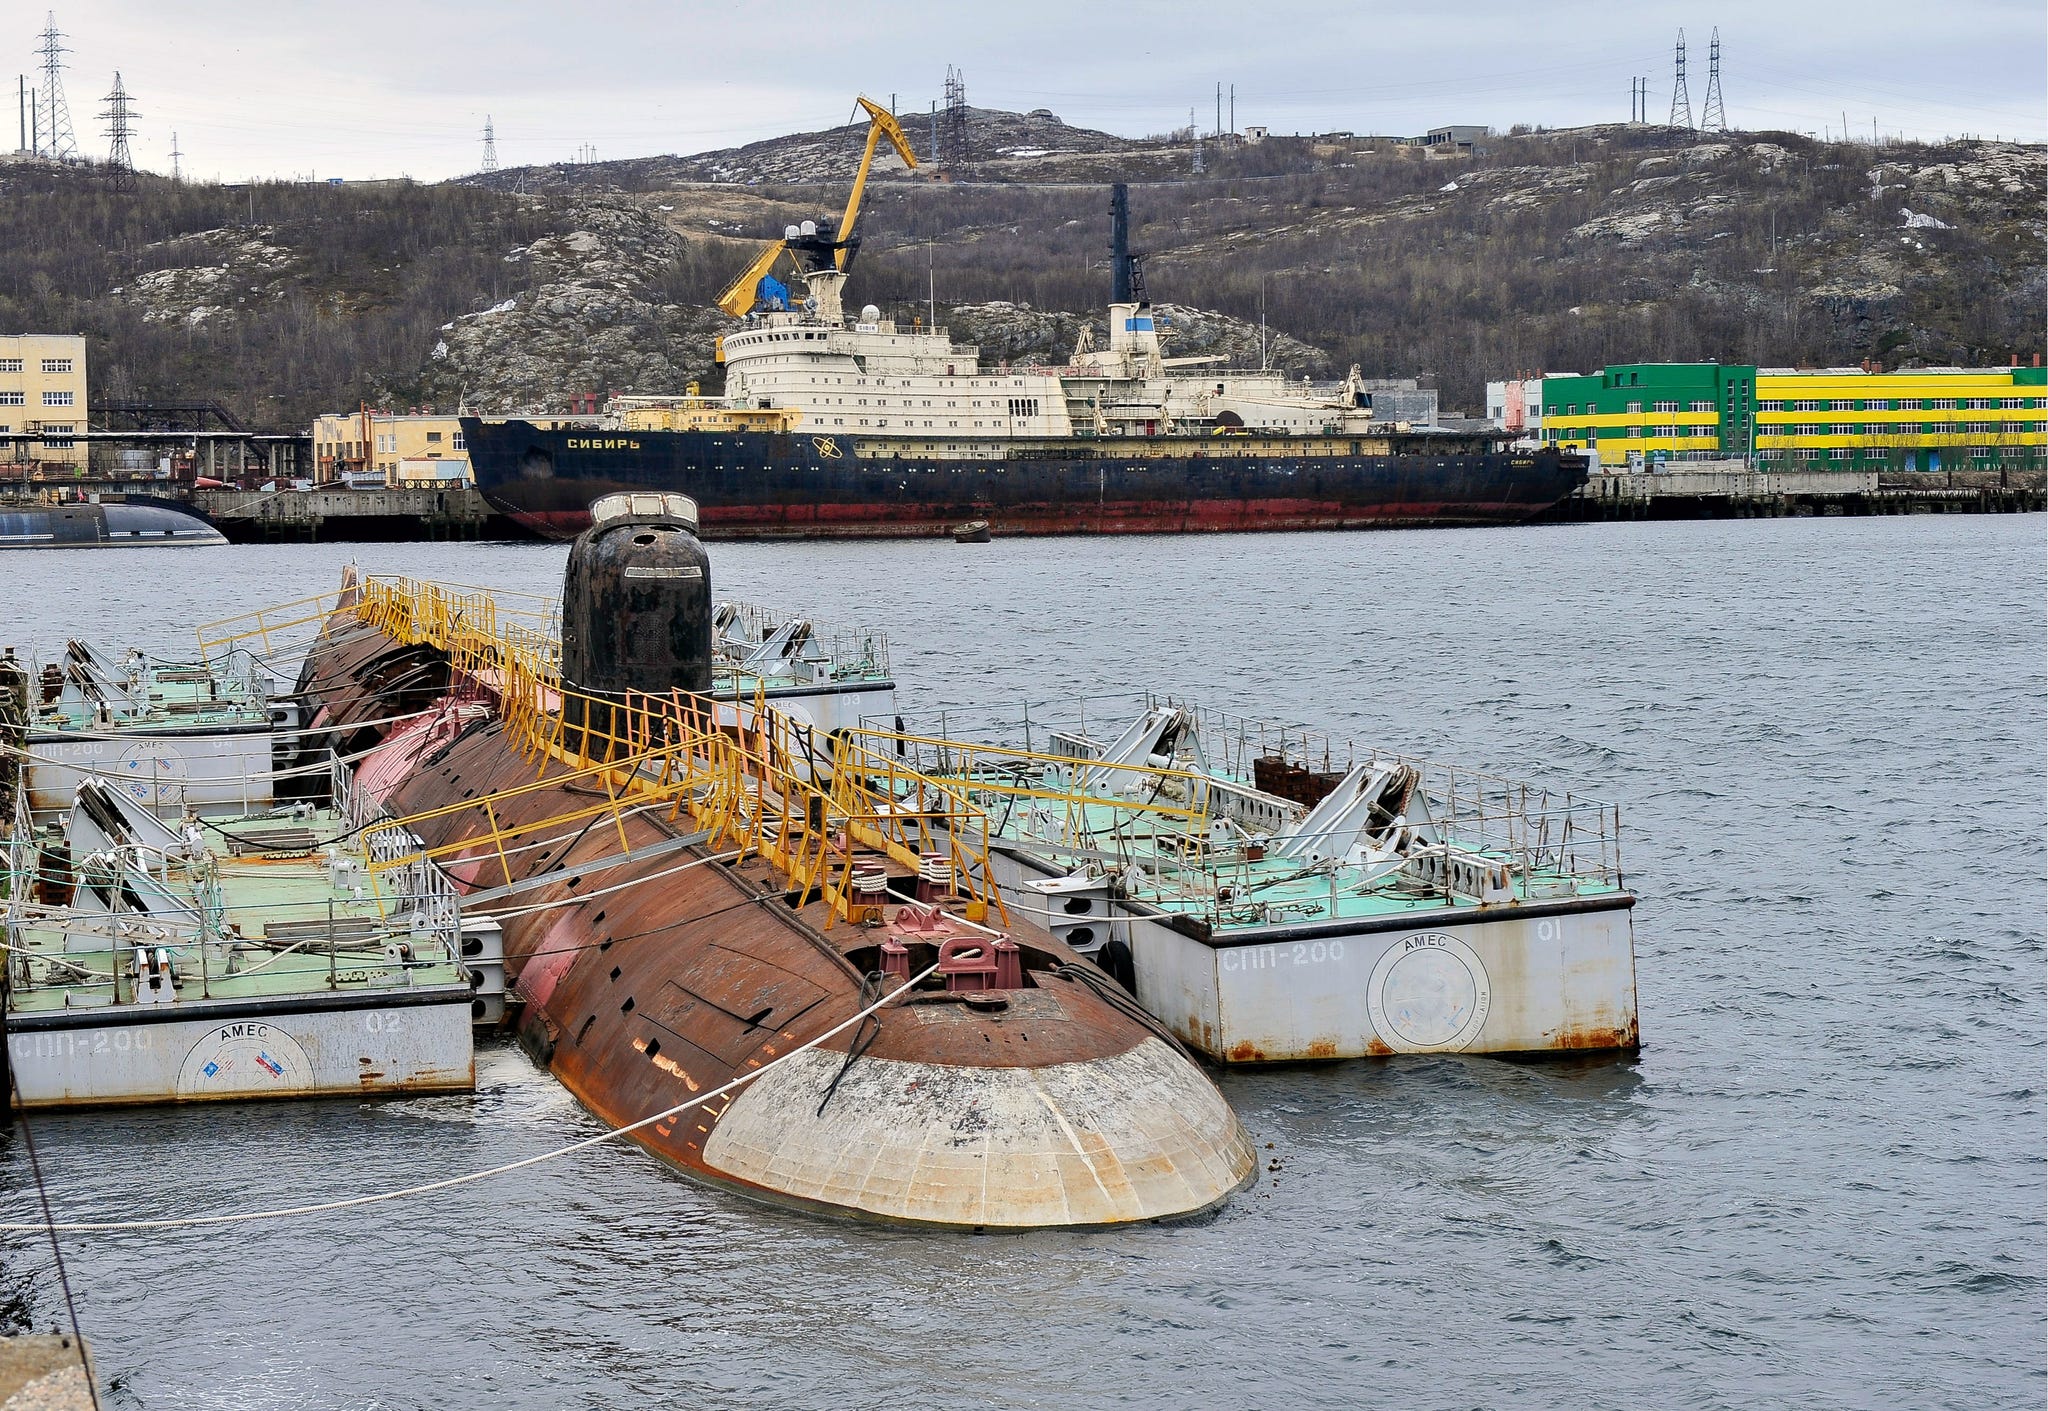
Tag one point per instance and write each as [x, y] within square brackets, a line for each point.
[747, 773]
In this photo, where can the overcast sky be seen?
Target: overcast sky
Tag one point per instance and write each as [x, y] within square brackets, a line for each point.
[382, 88]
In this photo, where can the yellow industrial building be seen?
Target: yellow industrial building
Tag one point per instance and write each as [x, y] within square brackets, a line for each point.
[1919, 419]
[42, 390]
[391, 449]
[1934, 418]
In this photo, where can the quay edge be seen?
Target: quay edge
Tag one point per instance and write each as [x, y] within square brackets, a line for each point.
[1684, 494]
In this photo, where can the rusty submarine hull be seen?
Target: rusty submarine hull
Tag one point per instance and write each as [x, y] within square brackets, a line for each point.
[688, 894]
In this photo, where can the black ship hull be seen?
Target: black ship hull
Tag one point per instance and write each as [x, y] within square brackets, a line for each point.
[797, 485]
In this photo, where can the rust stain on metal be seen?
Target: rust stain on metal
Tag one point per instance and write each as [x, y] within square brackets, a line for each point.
[1596, 1037]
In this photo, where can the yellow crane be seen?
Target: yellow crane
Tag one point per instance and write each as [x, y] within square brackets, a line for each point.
[840, 243]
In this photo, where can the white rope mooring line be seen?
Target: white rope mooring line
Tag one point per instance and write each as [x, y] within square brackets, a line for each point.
[323, 1207]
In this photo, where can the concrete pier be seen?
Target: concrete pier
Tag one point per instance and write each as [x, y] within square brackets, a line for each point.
[349, 514]
[44, 1372]
[1772, 494]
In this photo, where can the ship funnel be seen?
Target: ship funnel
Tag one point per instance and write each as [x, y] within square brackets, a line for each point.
[1119, 244]
[636, 610]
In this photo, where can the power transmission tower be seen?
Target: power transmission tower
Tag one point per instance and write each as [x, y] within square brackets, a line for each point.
[1714, 117]
[1195, 136]
[953, 129]
[119, 128]
[57, 139]
[490, 145]
[177, 172]
[1681, 101]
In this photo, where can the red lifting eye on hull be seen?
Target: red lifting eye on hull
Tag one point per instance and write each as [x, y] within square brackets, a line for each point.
[969, 963]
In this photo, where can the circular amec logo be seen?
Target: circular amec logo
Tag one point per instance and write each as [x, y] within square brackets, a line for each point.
[1428, 994]
[153, 773]
[245, 1056]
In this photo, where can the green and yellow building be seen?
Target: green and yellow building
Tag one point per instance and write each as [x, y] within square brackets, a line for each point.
[1940, 418]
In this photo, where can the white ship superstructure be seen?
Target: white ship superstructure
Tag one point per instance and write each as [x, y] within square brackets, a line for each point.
[871, 376]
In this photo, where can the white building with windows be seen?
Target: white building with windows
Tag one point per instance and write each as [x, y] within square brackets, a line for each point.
[1517, 405]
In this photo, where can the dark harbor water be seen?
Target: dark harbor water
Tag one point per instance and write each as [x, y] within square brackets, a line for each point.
[1821, 1183]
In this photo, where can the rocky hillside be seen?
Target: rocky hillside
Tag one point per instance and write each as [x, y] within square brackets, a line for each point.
[1017, 333]
[1545, 251]
[997, 145]
[602, 312]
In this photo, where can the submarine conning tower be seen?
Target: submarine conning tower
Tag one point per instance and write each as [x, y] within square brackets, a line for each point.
[636, 605]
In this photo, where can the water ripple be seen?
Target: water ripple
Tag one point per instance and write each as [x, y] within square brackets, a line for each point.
[1821, 1183]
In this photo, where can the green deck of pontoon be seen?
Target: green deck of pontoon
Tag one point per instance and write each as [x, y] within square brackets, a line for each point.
[262, 905]
[1273, 890]
[178, 698]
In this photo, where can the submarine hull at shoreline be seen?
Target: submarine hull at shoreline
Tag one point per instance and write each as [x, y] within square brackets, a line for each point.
[796, 485]
[115, 523]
